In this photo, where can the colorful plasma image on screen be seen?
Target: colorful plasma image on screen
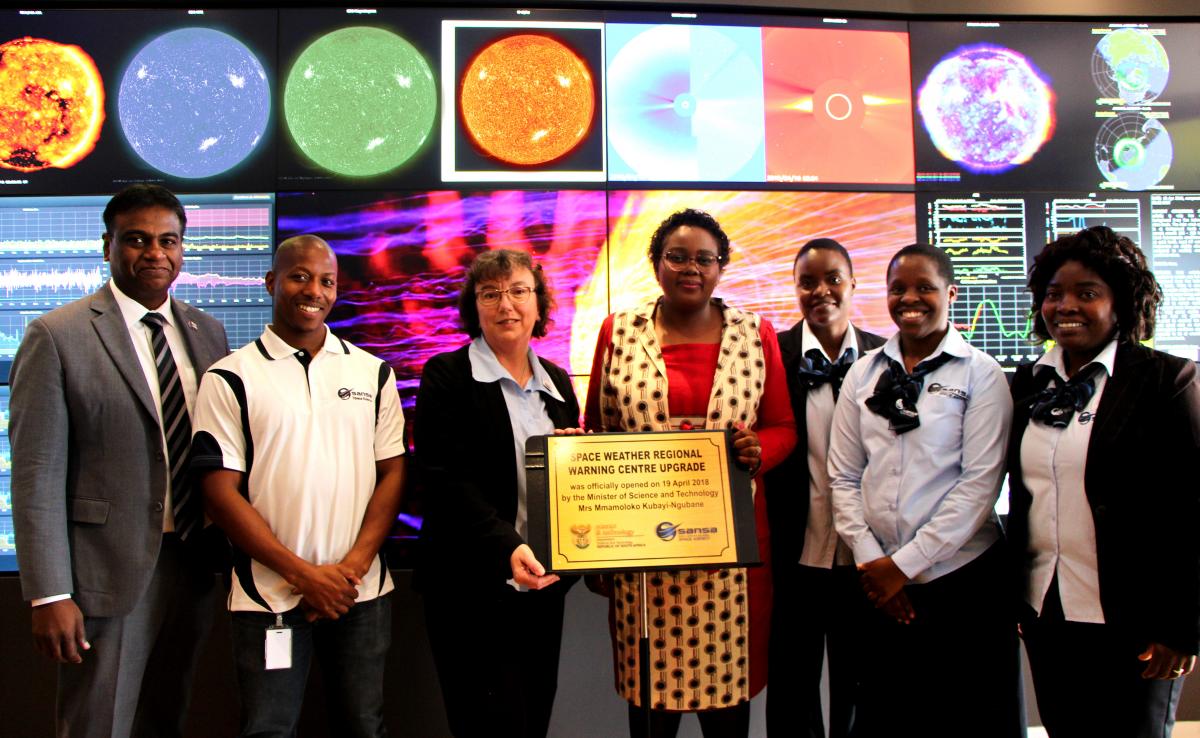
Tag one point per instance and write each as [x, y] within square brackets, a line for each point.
[838, 106]
[987, 108]
[51, 104]
[360, 101]
[194, 102]
[525, 102]
[685, 103]
[8, 546]
[51, 254]
[402, 259]
[766, 229]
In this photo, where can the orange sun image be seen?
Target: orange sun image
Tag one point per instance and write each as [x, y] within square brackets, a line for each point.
[527, 99]
[51, 104]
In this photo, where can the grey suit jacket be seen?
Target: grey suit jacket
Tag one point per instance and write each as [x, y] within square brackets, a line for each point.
[89, 474]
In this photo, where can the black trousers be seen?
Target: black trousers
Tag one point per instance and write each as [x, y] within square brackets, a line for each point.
[1088, 680]
[496, 655]
[955, 670]
[814, 610]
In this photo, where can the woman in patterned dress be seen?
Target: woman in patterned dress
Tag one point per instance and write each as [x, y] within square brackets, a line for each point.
[688, 360]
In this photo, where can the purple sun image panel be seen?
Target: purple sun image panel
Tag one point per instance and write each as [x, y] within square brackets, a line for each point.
[987, 107]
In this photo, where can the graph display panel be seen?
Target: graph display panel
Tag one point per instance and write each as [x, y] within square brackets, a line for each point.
[8, 546]
[51, 254]
[986, 240]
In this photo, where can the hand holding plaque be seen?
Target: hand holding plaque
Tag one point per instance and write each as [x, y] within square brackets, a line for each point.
[636, 501]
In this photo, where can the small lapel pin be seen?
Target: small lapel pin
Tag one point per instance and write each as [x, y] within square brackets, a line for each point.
[192, 325]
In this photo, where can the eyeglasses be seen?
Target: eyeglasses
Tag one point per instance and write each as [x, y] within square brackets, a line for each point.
[518, 293]
[677, 261]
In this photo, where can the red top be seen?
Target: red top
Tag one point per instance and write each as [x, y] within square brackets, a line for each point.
[690, 370]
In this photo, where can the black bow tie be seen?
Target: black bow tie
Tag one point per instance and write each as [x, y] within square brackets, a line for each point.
[1057, 404]
[814, 369]
[897, 391]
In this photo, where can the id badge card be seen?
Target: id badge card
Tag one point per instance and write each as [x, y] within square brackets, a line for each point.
[278, 648]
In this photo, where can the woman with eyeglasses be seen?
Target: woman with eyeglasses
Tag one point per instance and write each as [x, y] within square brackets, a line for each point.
[1104, 498]
[493, 614]
[687, 360]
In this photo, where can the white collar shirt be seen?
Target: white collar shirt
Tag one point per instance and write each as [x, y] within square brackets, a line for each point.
[307, 431]
[1062, 533]
[526, 413]
[132, 313]
[925, 498]
[822, 547]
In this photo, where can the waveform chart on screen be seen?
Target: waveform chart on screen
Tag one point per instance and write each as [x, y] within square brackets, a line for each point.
[986, 239]
[51, 254]
[685, 103]
[51, 104]
[526, 102]
[838, 106]
[402, 259]
[360, 101]
[194, 102]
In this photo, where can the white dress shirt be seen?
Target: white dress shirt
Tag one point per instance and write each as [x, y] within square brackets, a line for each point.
[927, 497]
[1062, 533]
[822, 547]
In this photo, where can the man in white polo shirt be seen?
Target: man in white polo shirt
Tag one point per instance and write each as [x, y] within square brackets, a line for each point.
[299, 440]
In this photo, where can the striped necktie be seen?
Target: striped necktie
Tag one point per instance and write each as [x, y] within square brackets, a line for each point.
[177, 428]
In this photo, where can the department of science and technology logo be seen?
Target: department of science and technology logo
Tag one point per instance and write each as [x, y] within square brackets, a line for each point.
[668, 531]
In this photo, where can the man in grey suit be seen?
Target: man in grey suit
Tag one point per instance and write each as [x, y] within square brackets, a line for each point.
[106, 522]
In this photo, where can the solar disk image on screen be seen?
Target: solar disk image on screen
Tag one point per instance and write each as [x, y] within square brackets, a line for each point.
[360, 101]
[524, 101]
[51, 104]
[194, 102]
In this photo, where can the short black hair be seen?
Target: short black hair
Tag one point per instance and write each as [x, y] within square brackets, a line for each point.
[501, 263]
[826, 244]
[695, 219]
[138, 196]
[1122, 266]
[941, 260]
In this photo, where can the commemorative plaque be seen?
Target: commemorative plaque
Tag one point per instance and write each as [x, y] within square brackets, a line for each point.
[638, 501]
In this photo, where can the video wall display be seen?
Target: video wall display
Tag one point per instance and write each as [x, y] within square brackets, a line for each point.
[403, 257]
[412, 138]
[91, 100]
[51, 254]
[1064, 106]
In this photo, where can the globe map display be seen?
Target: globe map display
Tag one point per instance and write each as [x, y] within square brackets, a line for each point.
[1130, 64]
[1133, 152]
[987, 108]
